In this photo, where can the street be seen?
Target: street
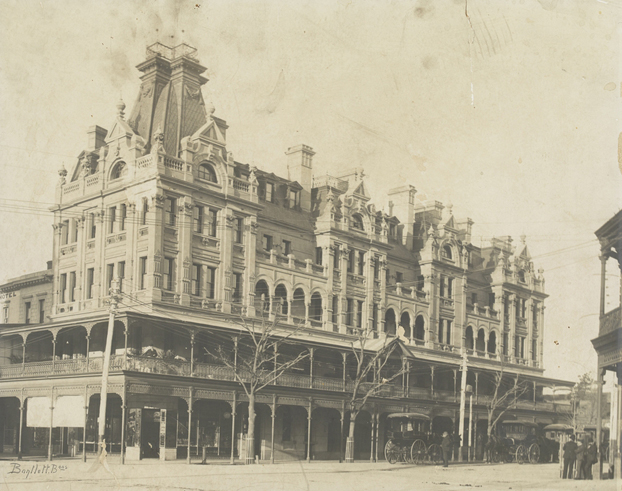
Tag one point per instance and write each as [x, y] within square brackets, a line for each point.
[291, 476]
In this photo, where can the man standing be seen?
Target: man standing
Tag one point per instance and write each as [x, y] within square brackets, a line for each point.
[580, 460]
[446, 445]
[570, 449]
[591, 459]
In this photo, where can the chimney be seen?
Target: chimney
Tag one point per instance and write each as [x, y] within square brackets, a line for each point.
[300, 169]
[403, 207]
[96, 135]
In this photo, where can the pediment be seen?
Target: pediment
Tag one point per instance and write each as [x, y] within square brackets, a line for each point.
[210, 131]
[119, 129]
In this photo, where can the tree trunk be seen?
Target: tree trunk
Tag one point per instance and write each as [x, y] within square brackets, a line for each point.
[250, 436]
[350, 439]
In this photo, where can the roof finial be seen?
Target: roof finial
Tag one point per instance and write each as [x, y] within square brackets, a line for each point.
[209, 107]
[120, 108]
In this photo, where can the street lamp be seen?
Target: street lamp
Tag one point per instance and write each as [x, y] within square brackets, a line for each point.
[469, 390]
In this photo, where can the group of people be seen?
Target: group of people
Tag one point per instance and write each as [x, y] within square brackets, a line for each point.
[579, 457]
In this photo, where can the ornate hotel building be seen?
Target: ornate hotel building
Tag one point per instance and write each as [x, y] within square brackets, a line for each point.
[200, 243]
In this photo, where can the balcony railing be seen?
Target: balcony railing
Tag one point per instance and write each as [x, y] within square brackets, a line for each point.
[610, 322]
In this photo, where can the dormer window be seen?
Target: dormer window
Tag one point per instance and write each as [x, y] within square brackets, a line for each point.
[356, 222]
[446, 253]
[521, 276]
[119, 171]
[293, 200]
[207, 173]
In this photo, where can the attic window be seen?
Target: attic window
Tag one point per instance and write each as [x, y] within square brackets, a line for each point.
[118, 171]
[207, 173]
[446, 253]
[356, 222]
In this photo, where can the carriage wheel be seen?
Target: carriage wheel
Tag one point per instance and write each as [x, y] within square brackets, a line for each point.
[418, 452]
[435, 453]
[391, 452]
[521, 454]
[534, 453]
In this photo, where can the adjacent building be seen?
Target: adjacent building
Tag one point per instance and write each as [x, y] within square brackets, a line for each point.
[199, 241]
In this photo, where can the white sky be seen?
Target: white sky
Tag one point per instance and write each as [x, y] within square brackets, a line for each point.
[513, 117]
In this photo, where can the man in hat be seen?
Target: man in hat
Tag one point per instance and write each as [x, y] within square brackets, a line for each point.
[570, 449]
[446, 445]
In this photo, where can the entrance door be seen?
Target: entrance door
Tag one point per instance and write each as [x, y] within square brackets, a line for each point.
[150, 434]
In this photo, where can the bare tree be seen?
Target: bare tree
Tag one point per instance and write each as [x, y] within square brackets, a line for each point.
[259, 364]
[370, 362]
[504, 397]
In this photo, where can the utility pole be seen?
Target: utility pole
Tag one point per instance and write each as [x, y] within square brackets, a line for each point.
[115, 297]
[463, 383]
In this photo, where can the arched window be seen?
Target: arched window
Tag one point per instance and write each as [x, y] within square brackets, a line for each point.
[207, 173]
[492, 342]
[389, 322]
[262, 296]
[356, 222]
[405, 323]
[315, 308]
[420, 328]
[280, 299]
[446, 252]
[119, 171]
[480, 345]
[469, 337]
[298, 306]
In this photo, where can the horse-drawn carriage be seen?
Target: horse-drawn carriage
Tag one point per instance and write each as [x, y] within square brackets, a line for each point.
[519, 442]
[409, 439]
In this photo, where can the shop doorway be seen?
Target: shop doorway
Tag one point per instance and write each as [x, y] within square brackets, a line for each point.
[150, 433]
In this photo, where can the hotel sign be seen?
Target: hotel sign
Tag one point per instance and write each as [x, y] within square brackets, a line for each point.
[4, 296]
[610, 357]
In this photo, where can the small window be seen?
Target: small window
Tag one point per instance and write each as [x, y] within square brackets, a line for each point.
[64, 237]
[196, 279]
[27, 308]
[269, 192]
[237, 290]
[72, 286]
[169, 211]
[92, 226]
[113, 218]
[75, 229]
[121, 274]
[446, 252]
[336, 258]
[335, 316]
[109, 278]
[119, 171]
[359, 313]
[207, 173]
[167, 274]
[349, 311]
[90, 276]
[213, 223]
[356, 222]
[41, 311]
[142, 271]
[145, 211]
[351, 261]
[376, 268]
[318, 256]
[294, 198]
[361, 264]
[521, 276]
[122, 217]
[266, 243]
[399, 277]
[238, 225]
[211, 282]
[63, 287]
[197, 219]
[287, 247]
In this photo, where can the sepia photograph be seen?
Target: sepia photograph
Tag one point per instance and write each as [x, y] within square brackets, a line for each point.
[311, 245]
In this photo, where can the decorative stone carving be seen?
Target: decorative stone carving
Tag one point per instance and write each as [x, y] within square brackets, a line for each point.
[62, 173]
[158, 141]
